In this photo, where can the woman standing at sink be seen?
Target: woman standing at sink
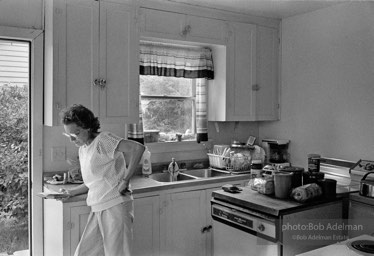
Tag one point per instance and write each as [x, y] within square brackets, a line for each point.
[106, 179]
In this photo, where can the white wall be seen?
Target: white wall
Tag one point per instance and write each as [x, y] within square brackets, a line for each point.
[327, 91]
[22, 13]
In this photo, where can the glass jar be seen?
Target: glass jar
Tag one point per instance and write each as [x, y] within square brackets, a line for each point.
[240, 157]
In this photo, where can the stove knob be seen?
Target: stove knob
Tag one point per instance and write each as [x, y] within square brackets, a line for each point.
[261, 227]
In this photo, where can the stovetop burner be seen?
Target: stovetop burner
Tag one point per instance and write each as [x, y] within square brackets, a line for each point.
[366, 246]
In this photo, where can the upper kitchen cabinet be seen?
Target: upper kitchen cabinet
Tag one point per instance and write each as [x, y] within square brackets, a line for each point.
[245, 87]
[231, 94]
[267, 76]
[181, 27]
[92, 59]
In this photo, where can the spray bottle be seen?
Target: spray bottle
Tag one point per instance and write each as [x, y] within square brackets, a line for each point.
[146, 163]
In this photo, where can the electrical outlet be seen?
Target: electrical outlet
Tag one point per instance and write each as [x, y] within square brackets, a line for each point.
[58, 154]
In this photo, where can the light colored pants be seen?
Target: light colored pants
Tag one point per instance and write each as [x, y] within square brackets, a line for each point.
[109, 232]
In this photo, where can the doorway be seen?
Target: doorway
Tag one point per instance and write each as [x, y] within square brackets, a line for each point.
[21, 99]
[14, 149]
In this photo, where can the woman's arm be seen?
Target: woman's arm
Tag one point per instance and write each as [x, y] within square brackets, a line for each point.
[133, 151]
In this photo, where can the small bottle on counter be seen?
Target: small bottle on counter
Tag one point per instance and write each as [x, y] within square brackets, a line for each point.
[65, 180]
[146, 163]
[256, 168]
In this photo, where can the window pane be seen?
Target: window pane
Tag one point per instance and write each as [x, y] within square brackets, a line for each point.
[165, 86]
[169, 116]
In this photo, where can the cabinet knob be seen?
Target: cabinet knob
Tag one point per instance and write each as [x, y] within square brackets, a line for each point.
[69, 225]
[206, 229]
[255, 87]
[186, 30]
[209, 228]
[261, 227]
[99, 83]
[102, 83]
[95, 82]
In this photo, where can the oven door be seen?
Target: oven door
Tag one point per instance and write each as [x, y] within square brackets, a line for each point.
[228, 240]
[238, 233]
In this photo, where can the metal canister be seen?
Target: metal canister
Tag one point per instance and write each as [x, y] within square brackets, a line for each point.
[314, 162]
[297, 178]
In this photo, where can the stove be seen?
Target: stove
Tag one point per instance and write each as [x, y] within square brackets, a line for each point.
[358, 246]
[365, 246]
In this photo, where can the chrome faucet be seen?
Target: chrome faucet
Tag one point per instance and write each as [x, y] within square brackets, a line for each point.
[173, 169]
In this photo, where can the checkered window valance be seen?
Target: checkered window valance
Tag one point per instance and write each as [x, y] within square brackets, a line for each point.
[162, 59]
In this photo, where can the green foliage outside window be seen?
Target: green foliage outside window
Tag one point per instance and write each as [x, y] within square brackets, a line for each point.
[13, 168]
[164, 111]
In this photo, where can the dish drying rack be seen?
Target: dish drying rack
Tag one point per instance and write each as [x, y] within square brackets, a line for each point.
[234, 164]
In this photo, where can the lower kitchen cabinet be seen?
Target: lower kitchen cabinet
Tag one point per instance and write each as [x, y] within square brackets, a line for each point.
[147, 226]
[360, 218]
[185, 222]
[78, 221]
[188, 223]
[168, 222]
[312, 228]
[63, 226]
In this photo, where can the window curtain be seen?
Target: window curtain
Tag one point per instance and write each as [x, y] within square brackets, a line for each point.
[201, 110]
[180, 61]
[160, 59]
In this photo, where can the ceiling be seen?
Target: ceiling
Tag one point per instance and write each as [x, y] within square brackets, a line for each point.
[265, 8]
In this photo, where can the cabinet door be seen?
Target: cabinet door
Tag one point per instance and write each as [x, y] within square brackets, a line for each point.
[209, 219]
[185, 218]
[321, 221]
[147, 226]
[206, 30]
[242, 73]
[70, 29]
[78, 221]
[159, 24]
[361, 216]
[266, 90]
[118, 64]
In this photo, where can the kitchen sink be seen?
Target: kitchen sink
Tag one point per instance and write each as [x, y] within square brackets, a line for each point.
[207, 173]
[166, 177]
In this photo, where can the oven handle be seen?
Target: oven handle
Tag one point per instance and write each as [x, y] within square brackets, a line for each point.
[244, 210]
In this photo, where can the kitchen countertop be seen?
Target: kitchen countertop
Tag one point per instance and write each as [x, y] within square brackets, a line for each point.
[140, 184]
[251, 199]
[248, 197]
[363, 199]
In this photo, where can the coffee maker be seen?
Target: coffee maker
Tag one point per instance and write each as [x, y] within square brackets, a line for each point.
[276, 152]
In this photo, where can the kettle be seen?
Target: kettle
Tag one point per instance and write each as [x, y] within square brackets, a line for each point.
[367, 186]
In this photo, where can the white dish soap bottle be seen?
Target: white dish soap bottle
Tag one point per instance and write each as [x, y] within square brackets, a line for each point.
[146, 163]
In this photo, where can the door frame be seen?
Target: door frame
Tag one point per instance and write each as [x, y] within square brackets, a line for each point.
[36, 39]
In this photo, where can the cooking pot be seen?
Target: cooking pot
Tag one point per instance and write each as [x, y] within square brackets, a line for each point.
[367, 186]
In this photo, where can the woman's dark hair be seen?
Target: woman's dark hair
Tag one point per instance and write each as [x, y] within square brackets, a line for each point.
[81, 116]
